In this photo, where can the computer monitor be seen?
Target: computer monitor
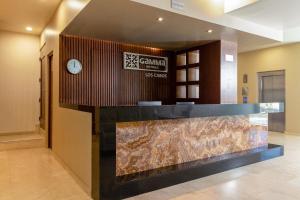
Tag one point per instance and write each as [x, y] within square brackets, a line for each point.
[149, 103]
[185, 103]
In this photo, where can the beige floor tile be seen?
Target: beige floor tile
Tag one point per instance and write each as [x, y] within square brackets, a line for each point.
[34, 174]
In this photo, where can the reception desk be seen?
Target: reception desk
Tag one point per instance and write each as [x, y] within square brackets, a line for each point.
[142, 148]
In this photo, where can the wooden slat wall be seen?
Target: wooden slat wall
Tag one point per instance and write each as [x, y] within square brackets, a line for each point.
[103, 81]
[75, 89]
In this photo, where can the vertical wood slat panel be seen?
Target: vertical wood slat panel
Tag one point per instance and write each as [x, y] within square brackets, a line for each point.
[103, 81]
[75, 89]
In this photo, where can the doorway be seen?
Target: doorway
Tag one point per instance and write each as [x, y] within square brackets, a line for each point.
[50, 100]
[272, 89]
[46, 102]
[43, 90]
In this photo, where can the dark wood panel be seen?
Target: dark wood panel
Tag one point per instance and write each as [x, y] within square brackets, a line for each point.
[103, 81]
[43, 85]
[210, 73]
[75, 89]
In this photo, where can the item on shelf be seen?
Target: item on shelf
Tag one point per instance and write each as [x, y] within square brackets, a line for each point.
[181, 75]
[194, 57]
[193, 91]
[181, 92]
[193, 74]
[181, 59]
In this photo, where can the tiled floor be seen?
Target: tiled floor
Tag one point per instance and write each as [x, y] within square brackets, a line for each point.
[34, 174]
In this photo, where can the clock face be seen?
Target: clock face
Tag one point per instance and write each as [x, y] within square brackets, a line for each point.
[74, 66]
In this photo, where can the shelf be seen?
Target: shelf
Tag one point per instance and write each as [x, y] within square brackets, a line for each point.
[181, 67]
[193, 65]
[196, 101]
[188, 83]
[188, 66]
[188, 75]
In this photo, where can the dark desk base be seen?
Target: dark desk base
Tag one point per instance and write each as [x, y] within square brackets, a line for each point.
[135, 184]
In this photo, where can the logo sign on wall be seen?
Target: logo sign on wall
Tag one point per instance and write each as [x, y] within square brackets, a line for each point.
[134, 61]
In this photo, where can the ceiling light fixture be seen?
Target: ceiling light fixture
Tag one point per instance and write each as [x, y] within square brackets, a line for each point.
[209, 30]
[29, 28]
[160, 19]
[51, 32]
[76, 4]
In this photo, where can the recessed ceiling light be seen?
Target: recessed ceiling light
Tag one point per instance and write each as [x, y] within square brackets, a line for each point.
[160, 19]
[29, 28]
[76, 4]
[209, 30]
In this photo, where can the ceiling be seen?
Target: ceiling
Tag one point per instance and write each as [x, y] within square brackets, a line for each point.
[16, 15]
[278, 14]
[262, 24]
[131, 22]
[231, 5]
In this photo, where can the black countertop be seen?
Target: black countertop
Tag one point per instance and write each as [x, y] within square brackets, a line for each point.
[143, 113]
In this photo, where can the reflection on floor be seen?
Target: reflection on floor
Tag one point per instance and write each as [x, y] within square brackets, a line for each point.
[34, 174]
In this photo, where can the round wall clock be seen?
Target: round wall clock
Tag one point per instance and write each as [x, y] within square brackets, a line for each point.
[74, 66]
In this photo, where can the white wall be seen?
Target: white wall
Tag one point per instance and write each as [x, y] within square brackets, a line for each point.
[19, 82]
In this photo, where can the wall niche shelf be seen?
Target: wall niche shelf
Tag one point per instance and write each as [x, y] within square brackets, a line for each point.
[188, 75]
[205, 72]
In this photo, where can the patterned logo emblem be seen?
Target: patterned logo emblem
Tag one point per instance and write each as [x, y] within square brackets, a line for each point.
[131, 61]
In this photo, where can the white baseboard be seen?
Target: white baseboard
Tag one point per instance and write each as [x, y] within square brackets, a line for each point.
[292, 133]
[17, 133]
[36, 130]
